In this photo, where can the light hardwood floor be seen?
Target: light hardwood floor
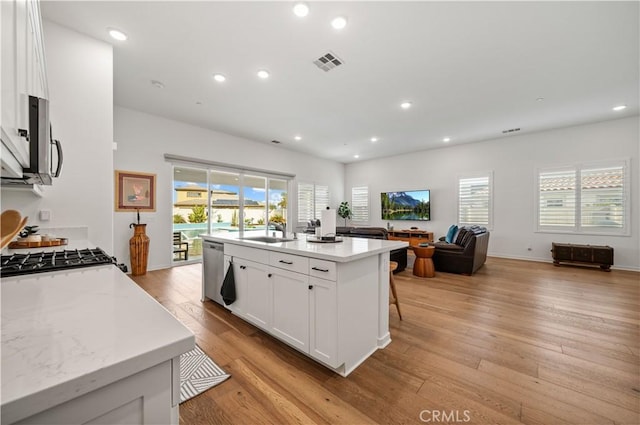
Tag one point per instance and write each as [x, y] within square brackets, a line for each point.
[518, 342]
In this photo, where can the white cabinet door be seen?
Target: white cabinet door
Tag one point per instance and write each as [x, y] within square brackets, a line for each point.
[15, 24]
[290, 320]
[253, 292]
[323, 321]
[257, 304]
[36, 71]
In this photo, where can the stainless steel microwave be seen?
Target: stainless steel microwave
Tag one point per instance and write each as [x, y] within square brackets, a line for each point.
[41, 145]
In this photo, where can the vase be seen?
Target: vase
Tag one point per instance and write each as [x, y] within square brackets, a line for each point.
[139, 250]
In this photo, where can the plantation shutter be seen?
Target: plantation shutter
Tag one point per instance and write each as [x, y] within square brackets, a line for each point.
[557, 199]
[360, 204]
[474, 201]
[602, 197]
[305, 202]
[321, 199]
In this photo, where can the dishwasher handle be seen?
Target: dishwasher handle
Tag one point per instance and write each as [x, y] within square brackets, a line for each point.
[214, 245]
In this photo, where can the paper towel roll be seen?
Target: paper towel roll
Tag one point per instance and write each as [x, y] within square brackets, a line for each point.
[328, 222]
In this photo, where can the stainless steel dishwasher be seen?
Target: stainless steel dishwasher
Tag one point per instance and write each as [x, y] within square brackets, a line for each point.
[213, 270]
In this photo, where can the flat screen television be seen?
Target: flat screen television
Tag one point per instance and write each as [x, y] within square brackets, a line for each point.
[408, 205]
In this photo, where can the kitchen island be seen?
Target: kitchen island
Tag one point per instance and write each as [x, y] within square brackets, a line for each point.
[88, 345]
[329, 301]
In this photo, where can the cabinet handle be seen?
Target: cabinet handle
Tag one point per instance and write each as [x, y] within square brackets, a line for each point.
[286, 262]
[270, 274]
[310, 286]
[320, 270]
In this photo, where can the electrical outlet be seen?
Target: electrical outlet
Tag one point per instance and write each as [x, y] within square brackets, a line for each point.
[45, 215]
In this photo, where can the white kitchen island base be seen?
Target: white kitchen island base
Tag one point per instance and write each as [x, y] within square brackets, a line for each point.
[88, 346]
[328, 301]
[144, 398]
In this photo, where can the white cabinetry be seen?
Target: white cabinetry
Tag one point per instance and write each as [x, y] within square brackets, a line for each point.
[255, 295]
[286, 299]
[23, 71]
[323, 321]
[336, 312]
[148, 397]
[291, 307]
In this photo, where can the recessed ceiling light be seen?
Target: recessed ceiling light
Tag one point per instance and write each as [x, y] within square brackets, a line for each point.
[117, 34]
[339, 22]
[263, 74]
[620, 107]
[405, 105]
[374, 139]
[297, 138]
[356, 156]
[540, 99]
[219, 78]
[446, 139]
[301, 9]
[157, 84]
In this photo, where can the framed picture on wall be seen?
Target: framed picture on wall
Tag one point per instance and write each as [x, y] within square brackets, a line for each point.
[135, 191]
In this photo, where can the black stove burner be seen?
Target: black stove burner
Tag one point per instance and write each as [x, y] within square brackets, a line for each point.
[40, 262]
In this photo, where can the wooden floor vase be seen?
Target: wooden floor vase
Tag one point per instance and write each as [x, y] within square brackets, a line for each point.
[139, 250]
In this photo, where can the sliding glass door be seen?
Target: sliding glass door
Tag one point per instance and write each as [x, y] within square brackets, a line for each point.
[225, 201]
[190, 212]
[214, 201]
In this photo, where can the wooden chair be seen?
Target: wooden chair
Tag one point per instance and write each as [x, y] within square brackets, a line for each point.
[179, 247]
[392, 284]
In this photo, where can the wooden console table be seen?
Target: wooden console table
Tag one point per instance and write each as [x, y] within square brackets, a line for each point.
[414, 237]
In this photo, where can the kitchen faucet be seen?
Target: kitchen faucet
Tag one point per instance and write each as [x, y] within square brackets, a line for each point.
[281, 227]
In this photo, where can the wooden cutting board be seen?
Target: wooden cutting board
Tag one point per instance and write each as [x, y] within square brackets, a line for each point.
[22, 245]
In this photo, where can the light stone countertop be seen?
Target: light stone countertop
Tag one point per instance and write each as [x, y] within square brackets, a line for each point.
[67, 333]
[349, 249]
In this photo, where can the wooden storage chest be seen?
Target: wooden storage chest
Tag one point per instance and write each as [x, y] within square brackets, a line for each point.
[584, 254]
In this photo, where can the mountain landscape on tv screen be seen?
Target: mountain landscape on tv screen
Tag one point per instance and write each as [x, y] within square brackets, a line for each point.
[411, 205]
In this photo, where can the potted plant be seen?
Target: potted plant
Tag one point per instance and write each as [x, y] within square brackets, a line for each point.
[344, 211]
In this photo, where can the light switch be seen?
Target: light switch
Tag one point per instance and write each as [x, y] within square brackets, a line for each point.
[45, 215]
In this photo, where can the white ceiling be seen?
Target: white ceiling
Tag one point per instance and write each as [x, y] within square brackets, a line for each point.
[471, 69]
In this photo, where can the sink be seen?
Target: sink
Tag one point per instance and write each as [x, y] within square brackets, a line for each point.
[267, 239]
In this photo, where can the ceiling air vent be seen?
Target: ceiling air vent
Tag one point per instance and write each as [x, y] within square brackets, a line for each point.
[511, 130]
[328, 61]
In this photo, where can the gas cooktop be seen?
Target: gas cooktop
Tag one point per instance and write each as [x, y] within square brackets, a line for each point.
[40, 262]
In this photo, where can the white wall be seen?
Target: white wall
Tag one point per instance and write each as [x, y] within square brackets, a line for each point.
[80, 76]
[143, 140]
[514, 161]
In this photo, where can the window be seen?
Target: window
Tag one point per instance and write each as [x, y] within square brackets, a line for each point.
[360, 204]
[311, 200]
[475, 200]
[584, 198]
